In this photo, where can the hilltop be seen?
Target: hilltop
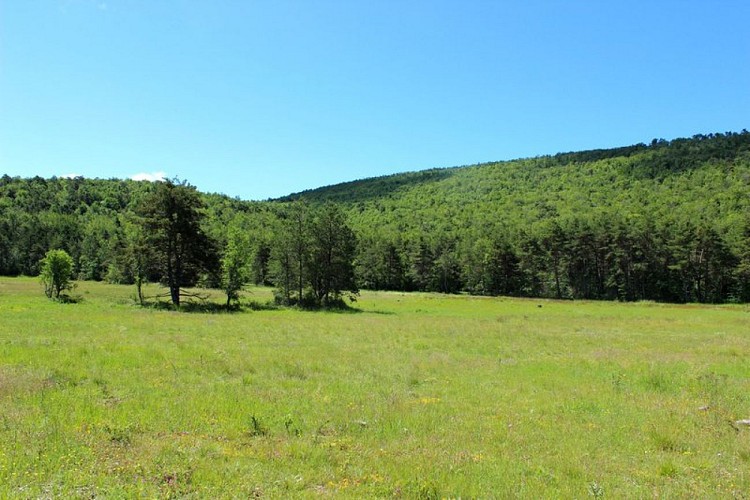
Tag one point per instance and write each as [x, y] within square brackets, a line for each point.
[706, 176]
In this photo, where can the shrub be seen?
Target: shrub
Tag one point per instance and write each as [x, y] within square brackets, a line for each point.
[57, 270]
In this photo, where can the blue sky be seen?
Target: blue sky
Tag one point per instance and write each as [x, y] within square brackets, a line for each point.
[259, 99]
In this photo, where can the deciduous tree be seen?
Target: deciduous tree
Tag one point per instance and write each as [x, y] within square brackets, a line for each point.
[56, 273]
[235, 269]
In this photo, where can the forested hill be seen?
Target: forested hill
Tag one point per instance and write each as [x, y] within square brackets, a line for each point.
[657, 160]
[667, 221]
[702, 180]
[636, 222]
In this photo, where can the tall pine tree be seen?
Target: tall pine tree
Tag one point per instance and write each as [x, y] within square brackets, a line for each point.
[172, 216]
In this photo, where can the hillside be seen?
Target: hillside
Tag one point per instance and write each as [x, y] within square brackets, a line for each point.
[667, 221]
[685, 194]
[707, 177]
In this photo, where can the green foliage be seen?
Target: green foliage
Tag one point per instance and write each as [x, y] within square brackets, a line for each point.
[663, 221]
[379, 265]
[312, 256]
[72, 214]
[100, 234]
[742, 271]
[135, 259]
[172, 216]
[235, 264]
[606, 224]
[289, 254]
[330, 259]
[56, 273]
[491, 267]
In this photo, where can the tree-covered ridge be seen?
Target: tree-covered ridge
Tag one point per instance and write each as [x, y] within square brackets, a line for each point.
[372, 188]
[667, 221]
[631, 223]
[702, 179]
[658, 159]
[528, 192]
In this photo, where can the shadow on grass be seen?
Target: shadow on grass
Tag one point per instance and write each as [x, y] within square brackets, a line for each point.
[336, 306]
[69, 299]
[340, 309]
[202, 307]
[206, 307]
[255, 305]
[329, 309]
[384, 313]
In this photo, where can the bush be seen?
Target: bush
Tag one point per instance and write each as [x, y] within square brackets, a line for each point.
[57, 270]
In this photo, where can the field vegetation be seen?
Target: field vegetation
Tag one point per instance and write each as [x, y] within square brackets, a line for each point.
[406, 395]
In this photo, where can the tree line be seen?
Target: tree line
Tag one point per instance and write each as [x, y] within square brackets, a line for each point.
[165, 236]
[669, 221]
[576, 259]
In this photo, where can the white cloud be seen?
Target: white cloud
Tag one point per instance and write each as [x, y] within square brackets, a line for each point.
[70, 176]
[152, 177]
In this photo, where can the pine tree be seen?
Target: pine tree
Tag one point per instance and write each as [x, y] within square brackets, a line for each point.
[172, 219]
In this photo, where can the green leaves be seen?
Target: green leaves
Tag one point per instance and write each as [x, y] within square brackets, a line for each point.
[665, 221]
[313, 256]
[56, 273]
[235, 264]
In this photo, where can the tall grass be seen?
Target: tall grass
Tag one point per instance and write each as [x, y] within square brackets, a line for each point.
[412, 396]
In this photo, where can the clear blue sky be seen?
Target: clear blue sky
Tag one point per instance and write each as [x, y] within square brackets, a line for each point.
[259, 99]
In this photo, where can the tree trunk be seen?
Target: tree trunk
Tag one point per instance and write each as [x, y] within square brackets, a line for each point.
[138, 287]
[558, 290]
[174, 292]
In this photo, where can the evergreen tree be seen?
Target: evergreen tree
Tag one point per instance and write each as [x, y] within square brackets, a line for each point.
[446, 273]
[172, 220]
[289, 254]
[553, 242]
[331, 258]
[422, 263]
[136, 259]
[742, 271]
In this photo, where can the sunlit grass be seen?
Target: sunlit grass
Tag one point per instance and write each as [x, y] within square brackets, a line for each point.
[413, 395]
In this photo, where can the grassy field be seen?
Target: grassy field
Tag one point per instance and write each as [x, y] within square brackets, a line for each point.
[410, 396]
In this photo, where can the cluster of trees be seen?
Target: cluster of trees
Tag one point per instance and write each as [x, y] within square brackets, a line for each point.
[165, 237]
[669, 221]
[312, 256]
[582, 258]
[308, 258]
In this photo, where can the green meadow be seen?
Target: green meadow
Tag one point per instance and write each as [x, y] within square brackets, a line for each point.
[407, 395]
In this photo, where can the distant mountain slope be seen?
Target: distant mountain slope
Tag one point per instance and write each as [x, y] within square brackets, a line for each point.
[372, 188]
[706, 177]
[655, 161]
